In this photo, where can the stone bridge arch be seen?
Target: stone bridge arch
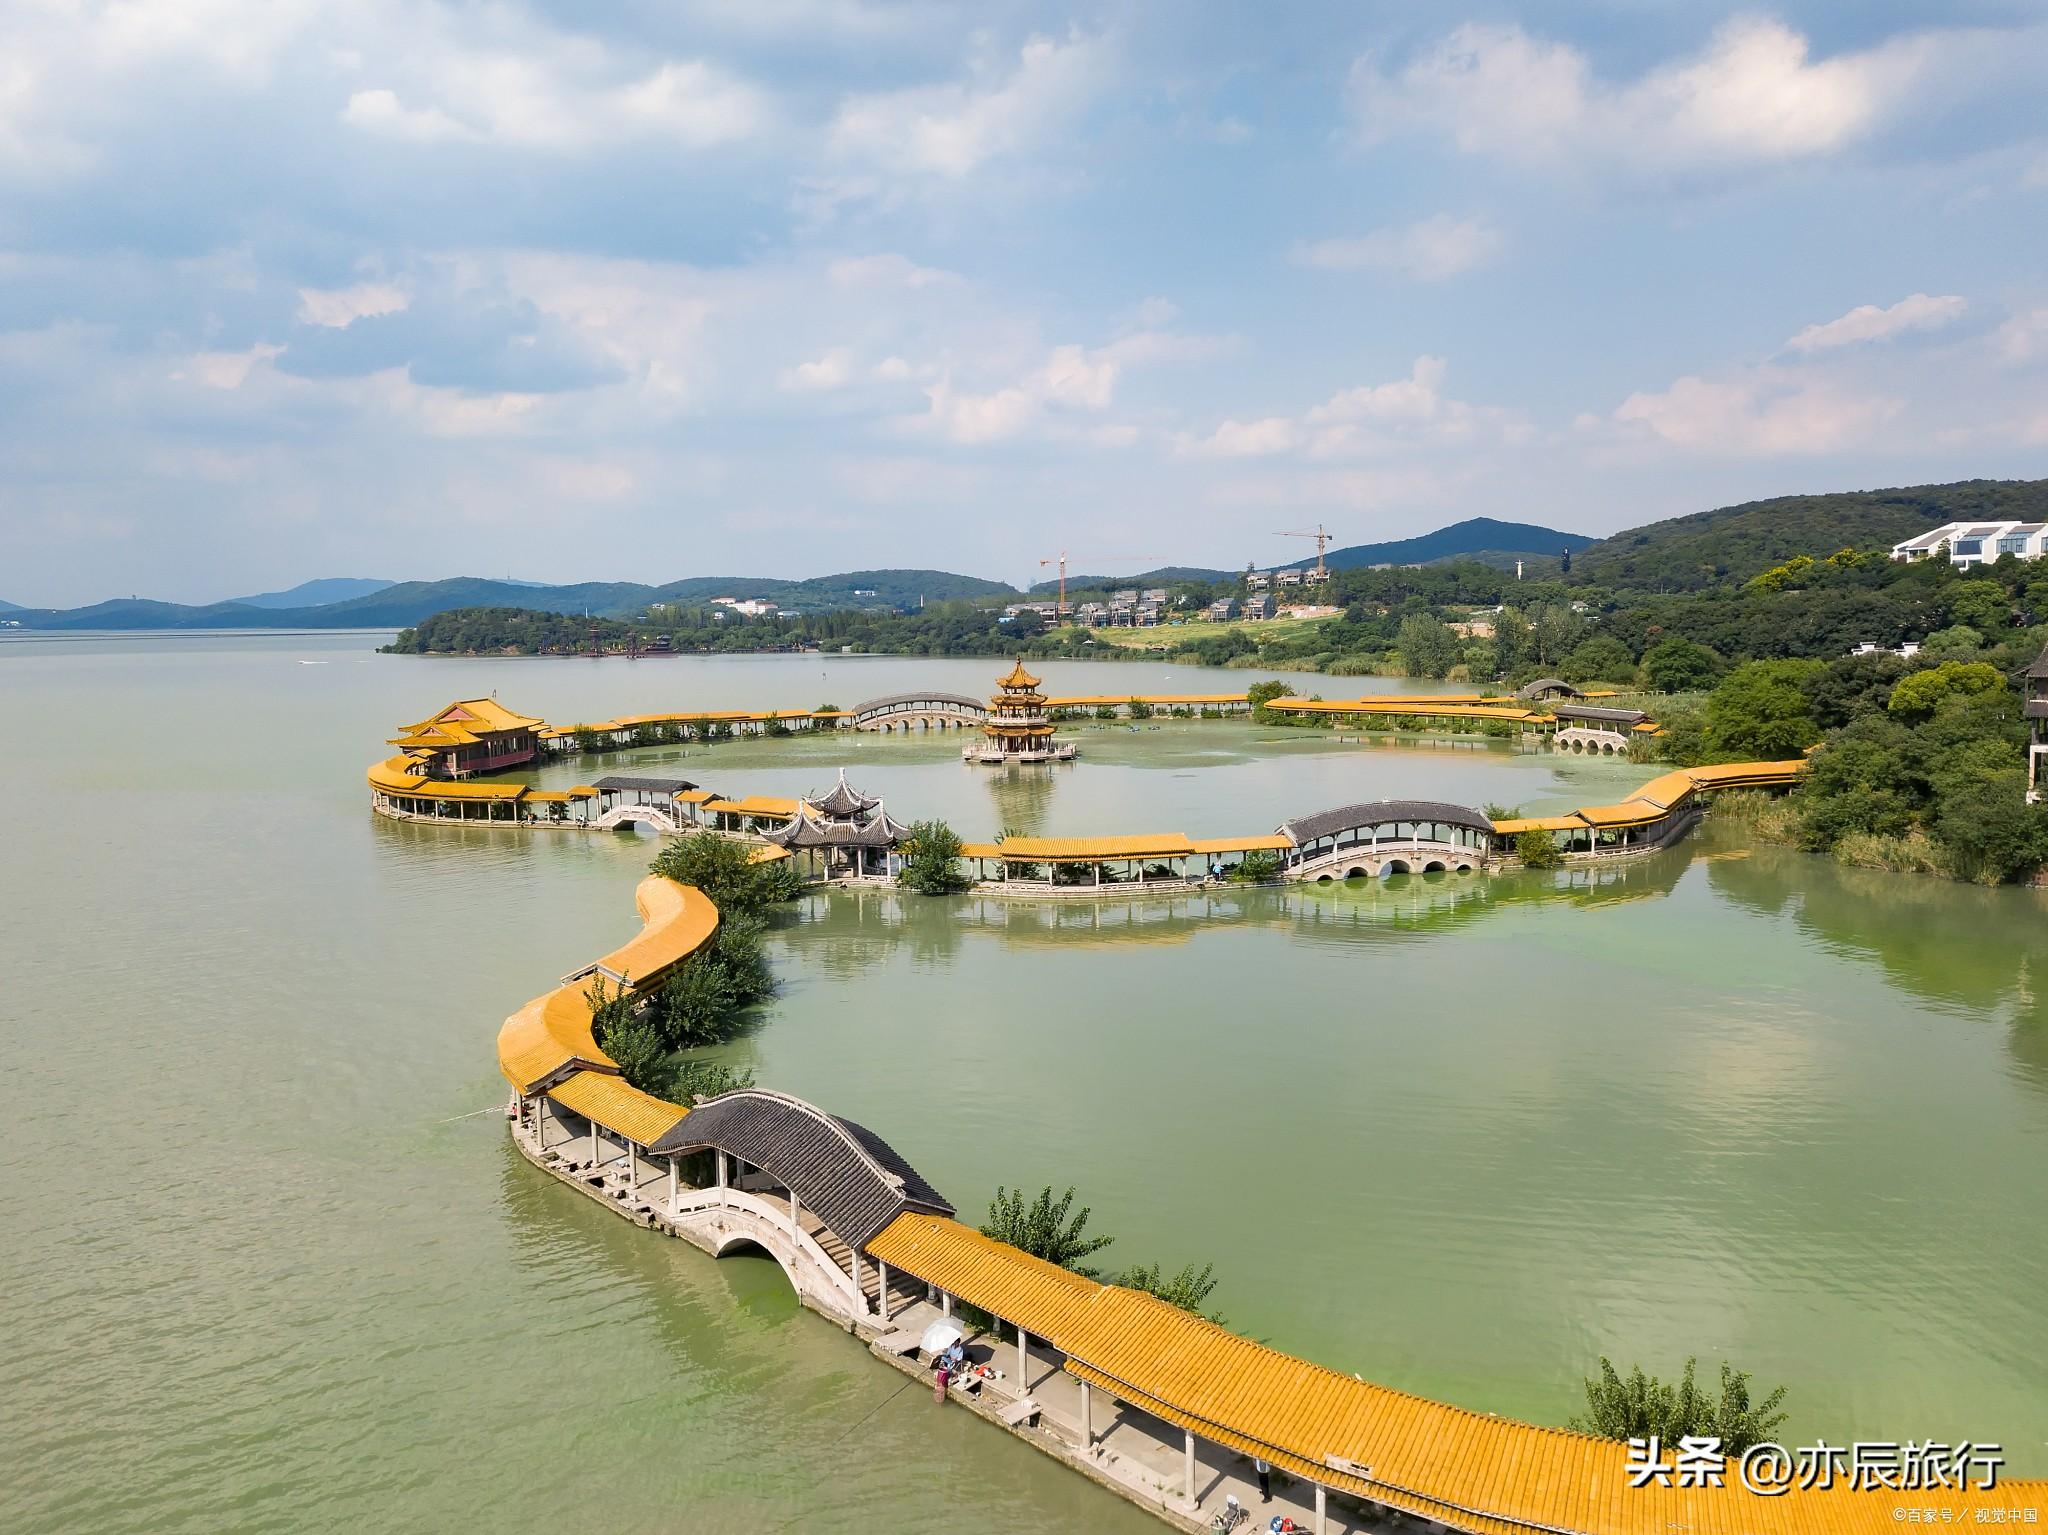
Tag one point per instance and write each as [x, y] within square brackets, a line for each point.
[920, 711]
[1382, 837]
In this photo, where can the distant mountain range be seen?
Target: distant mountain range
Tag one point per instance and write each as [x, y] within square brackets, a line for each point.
[398, 604]
[1679, 554]
[314, 594]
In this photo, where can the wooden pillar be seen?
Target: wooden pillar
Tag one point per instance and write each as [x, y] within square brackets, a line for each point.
[1189, 1437]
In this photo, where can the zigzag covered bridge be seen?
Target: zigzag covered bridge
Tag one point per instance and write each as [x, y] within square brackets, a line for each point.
[1159, 1404]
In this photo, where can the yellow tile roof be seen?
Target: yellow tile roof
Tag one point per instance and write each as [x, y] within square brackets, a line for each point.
[1667, 790]
[463, 722]
[1394, 704]
[1469, 1469]
[678, 921]
[696, 796]
[1269, 842]
[1722, 774]
[768, 855]
[1515, 827]
[1168, 844]
[554, 1029]
[1161, 700]
[1632, 812]
[1017, 677]
[753, 804]
[618, 1105]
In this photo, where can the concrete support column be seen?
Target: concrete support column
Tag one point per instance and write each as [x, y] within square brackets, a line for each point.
[854, 1253]
[945, 1303]
[674, 1184]
[1189, 1437]
[882, 1299]
[1023, 1361]
[593, 1143]
[796, 1225]
[722, 1199]
[1087, 1420]
[1322, 1507]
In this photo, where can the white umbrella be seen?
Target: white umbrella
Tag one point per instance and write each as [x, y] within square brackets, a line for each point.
[940, 1336]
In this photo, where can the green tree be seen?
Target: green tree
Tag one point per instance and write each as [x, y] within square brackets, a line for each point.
[1982, 605]
[1537, 850]
[725, 871]
[932, 860]
[1257, 867]
[1186, 1289]
[1956, 642]
[1046, 1228]
[1990, 830]
[1917, 696]
[1259, 694]
[1638, 1406]
[1603, 658]
[1678, 665]
[1760, 710]
[1428, 646]
[692, 1080]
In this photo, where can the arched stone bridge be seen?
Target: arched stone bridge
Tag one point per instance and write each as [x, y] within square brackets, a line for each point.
[666, 822]
[920, 711]
[1387, 837]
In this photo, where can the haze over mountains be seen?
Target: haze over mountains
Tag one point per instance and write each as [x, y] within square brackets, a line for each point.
[1677, 554]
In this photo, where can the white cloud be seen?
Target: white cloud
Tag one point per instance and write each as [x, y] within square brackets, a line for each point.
[554, 93]
[1404, 413]
[1753, 94]
[339, 308]
[1429, 251]
[832, 371]
[227, 370]
[1867, 322]
[2024, 337]
[949, 131]
[887, 270]
[1070, 378]
[1248, 439]
[1760, 414]
[381, 112]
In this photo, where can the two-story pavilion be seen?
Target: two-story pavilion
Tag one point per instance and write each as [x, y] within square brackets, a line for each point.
[471, 735]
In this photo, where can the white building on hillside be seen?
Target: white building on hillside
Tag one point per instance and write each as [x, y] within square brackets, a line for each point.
[1977, 543]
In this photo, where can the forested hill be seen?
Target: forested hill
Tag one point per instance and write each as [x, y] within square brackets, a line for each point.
[410, 601]
[1474, 538]
[1734, 543]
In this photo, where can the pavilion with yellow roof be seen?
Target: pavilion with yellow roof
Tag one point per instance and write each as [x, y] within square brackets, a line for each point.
[1017, 728]
[471, 735]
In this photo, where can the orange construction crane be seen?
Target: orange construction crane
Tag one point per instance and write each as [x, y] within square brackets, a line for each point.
[1322, 536]
[1105, 559]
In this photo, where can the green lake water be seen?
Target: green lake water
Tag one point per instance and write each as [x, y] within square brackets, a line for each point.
[1461, 1136]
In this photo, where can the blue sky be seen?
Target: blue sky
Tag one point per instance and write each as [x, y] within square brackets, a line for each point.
[292, 289]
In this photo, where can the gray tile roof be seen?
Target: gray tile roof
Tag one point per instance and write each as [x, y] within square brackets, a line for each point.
[1385, 812]
[849, 1176]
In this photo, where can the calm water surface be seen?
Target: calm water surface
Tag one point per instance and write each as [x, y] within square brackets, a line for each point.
[1461, 1136]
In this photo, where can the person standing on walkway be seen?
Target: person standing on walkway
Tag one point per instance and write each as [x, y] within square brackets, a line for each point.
[1265, 1480]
